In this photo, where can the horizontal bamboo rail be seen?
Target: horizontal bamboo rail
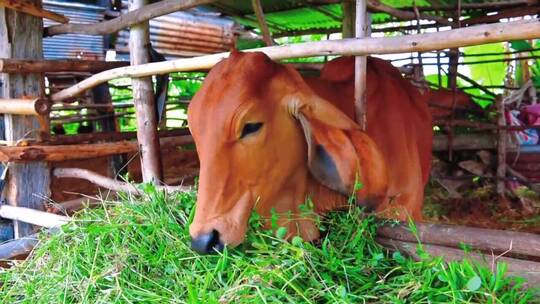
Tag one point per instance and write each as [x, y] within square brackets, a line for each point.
[8, 65]
[32, 216]
[24, 106]
[473, 35]
[80, 151]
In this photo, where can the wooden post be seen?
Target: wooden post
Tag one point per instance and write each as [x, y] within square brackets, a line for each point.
[29, 7]
[143, 97]
[21, 37]
[360, 66]
[257, 9]
[501, 147]
[347, 27]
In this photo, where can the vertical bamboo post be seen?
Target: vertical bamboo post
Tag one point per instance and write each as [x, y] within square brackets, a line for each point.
[257, 9]
[501, 147]
[28, 184]
[143, 97]
[360, 66]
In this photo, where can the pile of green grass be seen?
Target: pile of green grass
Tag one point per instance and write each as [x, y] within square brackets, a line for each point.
[137, 251]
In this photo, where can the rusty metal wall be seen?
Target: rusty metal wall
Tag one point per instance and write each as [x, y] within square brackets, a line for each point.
[74, 46]
[185, 34]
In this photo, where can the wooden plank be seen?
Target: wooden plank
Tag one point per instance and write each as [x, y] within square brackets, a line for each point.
[465, 142]
[32, 8]
[515, 266]
[26, 154]
[28, 184]
[145, 104]
[257, 9]
[487, 240]
[473, 35]
[150, 11]
[8, 65]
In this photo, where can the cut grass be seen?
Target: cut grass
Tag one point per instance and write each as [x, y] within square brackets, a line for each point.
[137, 251]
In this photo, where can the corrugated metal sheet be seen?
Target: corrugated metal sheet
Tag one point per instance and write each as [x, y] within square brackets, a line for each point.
[185, 34]
[74, 46]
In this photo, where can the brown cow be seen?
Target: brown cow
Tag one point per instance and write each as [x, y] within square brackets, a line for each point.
[442, 102]
[268, 138]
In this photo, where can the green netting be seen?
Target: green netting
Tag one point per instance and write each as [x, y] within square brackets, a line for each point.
[295, 15]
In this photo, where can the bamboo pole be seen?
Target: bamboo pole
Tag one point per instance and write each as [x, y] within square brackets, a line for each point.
[24, 106]
[258, 10]
[360, 66]
[32, 216]
[27, 7]
[8, 65]
[473, 35]
[143, 98]
[133, 17]
[109, 183]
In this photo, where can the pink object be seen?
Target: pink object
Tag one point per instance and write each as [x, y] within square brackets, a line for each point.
[531, 114]
[524, 137]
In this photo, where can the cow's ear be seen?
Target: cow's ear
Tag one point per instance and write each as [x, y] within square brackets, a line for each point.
[332, 157]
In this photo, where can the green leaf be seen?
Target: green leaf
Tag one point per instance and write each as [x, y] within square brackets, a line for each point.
[297, 241]
[281, 232]
[520, 45]
[492, 73]
[474, 283]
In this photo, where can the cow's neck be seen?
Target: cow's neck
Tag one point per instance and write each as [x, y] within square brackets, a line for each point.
[324, 199]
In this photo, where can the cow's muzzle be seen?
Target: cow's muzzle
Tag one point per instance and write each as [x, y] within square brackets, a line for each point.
[207, 243]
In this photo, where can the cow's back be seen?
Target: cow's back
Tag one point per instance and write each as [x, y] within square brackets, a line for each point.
[398, 120]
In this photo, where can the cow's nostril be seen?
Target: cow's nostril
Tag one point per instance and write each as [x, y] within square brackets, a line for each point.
[207, 243]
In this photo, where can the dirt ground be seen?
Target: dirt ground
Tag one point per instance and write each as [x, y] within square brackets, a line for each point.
[482, 208]
[180, 166]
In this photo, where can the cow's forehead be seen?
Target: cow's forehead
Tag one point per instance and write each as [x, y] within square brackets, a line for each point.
[241, 77]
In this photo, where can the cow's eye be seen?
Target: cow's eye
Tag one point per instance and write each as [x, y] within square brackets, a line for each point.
[250, 128]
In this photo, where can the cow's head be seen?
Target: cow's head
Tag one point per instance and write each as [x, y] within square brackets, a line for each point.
[261, 134]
